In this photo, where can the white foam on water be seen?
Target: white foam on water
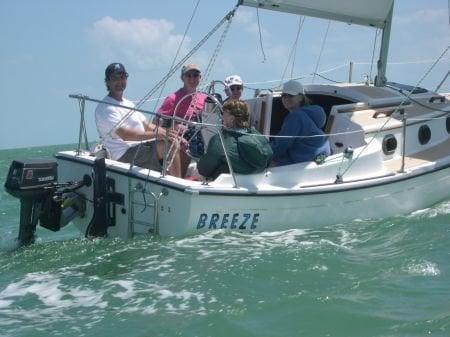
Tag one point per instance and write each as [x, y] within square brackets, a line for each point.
[424, 268]
[439, 209]
[319, 268]
[149, 310]
[87, 298]
[183, 295]
[5, 303]
[129, 289]
[43, 285]
[347, 238]
[164, 294]
[49, 290]
[236, 238]
[149, 298]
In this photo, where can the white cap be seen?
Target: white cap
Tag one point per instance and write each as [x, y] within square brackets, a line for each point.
[293, 88]
[233, 80]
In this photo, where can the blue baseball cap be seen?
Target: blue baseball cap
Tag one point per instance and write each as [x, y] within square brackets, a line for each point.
[114, 68]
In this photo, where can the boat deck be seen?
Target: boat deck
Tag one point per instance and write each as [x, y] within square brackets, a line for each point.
[375, 119]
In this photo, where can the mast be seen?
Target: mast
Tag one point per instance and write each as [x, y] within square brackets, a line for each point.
[380, 80]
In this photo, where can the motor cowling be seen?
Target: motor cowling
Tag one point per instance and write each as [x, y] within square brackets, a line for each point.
[31, 178]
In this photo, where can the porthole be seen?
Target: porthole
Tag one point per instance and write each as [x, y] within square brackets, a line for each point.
[447, 124]
[424, 134]
[389, 144]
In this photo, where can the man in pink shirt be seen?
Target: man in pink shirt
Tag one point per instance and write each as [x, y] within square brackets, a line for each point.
[188, 104]
[191, 106]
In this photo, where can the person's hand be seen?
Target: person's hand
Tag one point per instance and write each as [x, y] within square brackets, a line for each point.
[173, 135]
[181, 129]
[160, 133]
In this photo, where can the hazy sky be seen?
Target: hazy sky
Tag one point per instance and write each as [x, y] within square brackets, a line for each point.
[53, 48]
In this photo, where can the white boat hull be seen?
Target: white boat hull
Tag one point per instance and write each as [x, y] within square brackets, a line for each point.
[194, 208]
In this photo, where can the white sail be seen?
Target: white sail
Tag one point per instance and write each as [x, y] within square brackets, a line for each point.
[373, 13]
[362, 12]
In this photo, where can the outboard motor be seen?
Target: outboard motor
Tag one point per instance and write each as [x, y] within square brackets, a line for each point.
[34, 182]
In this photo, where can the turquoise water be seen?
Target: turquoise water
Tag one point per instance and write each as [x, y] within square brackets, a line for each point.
[387, 278]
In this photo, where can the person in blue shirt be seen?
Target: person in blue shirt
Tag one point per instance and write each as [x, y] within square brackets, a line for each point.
[302, 122]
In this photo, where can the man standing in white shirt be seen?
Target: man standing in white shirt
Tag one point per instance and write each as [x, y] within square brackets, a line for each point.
[129, 136]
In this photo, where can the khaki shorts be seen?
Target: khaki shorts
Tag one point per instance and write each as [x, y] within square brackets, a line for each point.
[143, 155]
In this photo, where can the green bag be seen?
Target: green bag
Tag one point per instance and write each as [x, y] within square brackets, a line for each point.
[254, 150]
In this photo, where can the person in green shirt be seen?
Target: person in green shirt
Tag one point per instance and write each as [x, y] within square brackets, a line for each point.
[249, 152]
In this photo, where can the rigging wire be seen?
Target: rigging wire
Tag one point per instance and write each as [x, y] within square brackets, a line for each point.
[174, 69]
[326, 78]
[179, 48]
[321, 50]
[293, 51]
[260, 36]
[164, 85]
[301, 21]
[216, 51]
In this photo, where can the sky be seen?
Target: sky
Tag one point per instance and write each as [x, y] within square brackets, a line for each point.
[53, 48]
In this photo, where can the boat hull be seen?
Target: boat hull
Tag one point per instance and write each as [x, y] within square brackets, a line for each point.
[161, 206]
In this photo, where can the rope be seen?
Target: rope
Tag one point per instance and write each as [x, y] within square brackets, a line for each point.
[321, 51]
[260, 35]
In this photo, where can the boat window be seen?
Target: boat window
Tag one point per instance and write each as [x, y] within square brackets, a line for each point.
[447, 124]
[424, 134]
[389, 144]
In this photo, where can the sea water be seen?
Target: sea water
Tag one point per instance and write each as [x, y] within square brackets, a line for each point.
[387, 278]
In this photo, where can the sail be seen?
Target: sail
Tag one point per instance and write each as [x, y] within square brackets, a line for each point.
[373, 13]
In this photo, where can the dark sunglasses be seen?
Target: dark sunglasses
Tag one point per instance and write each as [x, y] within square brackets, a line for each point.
[192, 75]
[236, 87]
[287, 96]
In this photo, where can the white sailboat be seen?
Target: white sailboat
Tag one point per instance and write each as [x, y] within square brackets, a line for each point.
[390, 156]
